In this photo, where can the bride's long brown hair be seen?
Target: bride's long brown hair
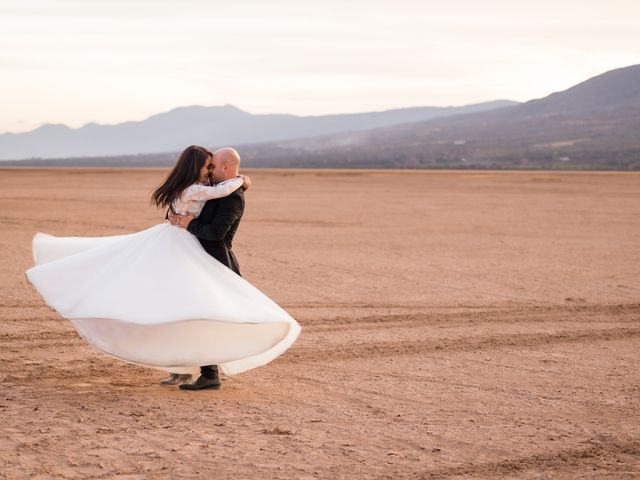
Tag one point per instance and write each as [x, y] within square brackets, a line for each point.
[185, 173]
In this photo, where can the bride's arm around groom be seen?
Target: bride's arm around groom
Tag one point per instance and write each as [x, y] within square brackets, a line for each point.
[216, 226]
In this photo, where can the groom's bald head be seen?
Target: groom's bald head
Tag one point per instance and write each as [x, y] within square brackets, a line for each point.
[226, 163]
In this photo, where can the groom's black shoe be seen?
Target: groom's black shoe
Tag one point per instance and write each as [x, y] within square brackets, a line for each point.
[201, 383]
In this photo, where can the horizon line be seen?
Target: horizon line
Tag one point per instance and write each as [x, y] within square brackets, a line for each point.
[50, 124]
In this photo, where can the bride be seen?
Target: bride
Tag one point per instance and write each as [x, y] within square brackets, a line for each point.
[156, 298]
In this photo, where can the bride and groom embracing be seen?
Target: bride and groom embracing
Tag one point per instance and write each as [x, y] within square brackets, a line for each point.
[170, 297]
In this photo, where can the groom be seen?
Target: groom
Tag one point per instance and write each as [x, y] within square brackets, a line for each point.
[215, 228]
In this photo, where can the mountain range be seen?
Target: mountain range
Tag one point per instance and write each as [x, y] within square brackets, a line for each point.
[592, 125]
[595, 124]
[209, 126]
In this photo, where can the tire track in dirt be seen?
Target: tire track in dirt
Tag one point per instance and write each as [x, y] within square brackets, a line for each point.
[38, 224]
[614, 314]
[34, 336]
[35, 304]
[355, 395]
[41, 346]
[48, 372]
[471, 343]
[610, 455]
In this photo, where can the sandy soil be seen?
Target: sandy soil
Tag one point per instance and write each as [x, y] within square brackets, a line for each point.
[455, 325]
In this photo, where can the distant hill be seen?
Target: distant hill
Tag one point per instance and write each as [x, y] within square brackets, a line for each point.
[595, 124]
[614, 90]
[209, 126]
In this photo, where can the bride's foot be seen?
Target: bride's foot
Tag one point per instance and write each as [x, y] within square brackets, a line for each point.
[176, 378]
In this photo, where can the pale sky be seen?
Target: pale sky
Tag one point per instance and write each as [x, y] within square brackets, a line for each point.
[80, 61]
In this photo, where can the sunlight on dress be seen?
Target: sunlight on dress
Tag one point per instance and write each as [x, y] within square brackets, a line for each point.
[156, 298]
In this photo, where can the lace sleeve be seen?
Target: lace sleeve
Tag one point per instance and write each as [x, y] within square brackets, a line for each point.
[204, 192]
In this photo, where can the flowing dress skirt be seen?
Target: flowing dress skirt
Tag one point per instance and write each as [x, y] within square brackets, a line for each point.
[156, 298]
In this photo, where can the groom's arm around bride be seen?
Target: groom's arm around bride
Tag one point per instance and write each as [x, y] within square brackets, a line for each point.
[218, 222]
[217, 225]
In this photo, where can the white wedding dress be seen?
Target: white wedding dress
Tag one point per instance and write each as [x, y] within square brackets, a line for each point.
[156, 298]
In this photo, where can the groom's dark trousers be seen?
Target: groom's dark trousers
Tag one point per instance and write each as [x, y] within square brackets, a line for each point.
[215, 229]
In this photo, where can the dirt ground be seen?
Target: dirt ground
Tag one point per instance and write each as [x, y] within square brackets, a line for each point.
[455, 325]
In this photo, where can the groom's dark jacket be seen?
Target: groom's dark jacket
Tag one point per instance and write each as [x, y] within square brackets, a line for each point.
[216, 226]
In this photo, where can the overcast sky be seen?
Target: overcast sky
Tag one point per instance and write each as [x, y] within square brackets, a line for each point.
[79, 61]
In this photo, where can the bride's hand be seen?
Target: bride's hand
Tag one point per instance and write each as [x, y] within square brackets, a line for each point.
[172, 216]
[181, 221]
[184, 220]
[247, 182]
